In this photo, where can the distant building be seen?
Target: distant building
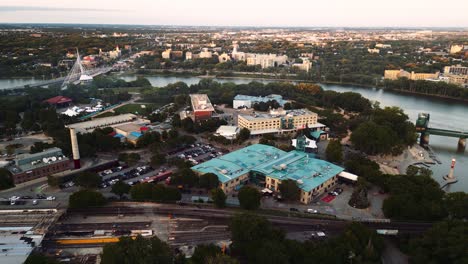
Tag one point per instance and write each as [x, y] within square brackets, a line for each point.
[89, 126]
[188, 55]
[205, 54]
[130, 132]
[59, 101]
[383, 46]
[279, 121]
[395, 74]
[456, 70]
[166, 54]
[28, 167]
[306, 65]
[264, 60]
[113, 54]
[248, 101]
[424, 76]
[267, 166]
[224, 58]
[229, 132]
[457, 75]
[457, 48]
[201, 106]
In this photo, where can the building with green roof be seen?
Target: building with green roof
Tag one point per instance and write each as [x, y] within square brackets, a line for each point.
[268, 166]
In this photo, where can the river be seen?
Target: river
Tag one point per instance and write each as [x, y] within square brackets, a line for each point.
[444, 114]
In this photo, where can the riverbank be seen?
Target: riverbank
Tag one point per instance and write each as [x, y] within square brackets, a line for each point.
[412, 156]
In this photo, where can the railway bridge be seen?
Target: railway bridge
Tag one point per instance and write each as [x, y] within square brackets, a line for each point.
[422, 127]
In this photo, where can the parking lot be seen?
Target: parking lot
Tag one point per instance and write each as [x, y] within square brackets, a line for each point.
[197, 153]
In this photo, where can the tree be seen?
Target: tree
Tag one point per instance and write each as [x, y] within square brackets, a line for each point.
[53, 181]
[249, 198]
[359, 196]
[158, 159]
[249, 232]
[445, 242]
[208, 181]
[88, 180]
[219, 197]
[289, 190]
[244, 134]
[141, 192]
[137, 251]
[185, 177]
[457, 204]
[120, 188]
[413, 198]
[372, 138]
[38, 258]
[204, 252]
[334, 151]
[6, 180]
[86, 198]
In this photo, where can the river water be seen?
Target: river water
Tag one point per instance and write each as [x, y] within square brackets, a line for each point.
[444, 114]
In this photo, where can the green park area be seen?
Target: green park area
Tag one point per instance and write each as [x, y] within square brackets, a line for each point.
[136, 108]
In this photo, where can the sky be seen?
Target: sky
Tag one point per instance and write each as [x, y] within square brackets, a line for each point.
[311, 13]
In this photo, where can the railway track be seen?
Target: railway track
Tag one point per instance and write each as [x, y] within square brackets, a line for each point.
[225, 215]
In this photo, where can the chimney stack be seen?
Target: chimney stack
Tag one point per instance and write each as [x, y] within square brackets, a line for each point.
[75, 149]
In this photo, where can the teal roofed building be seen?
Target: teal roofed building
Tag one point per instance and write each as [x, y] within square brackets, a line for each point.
[268, 166]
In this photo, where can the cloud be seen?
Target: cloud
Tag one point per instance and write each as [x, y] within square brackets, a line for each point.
[53, 9]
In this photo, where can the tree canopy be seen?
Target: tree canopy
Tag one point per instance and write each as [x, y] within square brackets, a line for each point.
[137, 251]
[6, 180]
[289, 190]
[86, 198]
[249, 198]
[88, 180]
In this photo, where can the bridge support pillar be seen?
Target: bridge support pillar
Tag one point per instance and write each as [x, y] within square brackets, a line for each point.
[461, 144]
[424, 139]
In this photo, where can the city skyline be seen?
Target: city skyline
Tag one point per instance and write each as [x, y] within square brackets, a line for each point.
[298, 13]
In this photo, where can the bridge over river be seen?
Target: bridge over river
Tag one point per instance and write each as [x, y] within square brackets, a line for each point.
[422, 127]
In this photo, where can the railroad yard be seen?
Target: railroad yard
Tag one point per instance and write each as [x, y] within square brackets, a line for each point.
[81, 234]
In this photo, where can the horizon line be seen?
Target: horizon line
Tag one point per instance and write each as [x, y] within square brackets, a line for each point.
[230, 26]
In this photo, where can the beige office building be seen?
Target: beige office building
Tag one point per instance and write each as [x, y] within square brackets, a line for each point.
[279, 121]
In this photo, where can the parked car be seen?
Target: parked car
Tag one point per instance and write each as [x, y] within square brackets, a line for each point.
[338, 190]
[333, 193]
[50, 198]
[311, 211]
[292, 209]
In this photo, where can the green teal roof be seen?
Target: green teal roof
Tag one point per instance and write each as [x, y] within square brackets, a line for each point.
[307, 171]
[238, 163]
[316, 134]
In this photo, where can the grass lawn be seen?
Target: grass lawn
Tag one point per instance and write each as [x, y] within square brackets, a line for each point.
[135, 108]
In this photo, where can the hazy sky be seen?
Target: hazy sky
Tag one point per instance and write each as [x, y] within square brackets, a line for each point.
[341, 13]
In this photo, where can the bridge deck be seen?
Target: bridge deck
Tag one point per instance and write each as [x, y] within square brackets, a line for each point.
[447, 133]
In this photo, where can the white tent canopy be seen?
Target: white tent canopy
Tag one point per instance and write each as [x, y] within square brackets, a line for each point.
[348, 176]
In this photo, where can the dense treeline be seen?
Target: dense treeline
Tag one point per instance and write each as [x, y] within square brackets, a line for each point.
[427, 87]
[223, 93]
[256, 240]
[384, 131]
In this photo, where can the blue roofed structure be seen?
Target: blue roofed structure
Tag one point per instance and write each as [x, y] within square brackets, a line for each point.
[248, 100]
[269, 166]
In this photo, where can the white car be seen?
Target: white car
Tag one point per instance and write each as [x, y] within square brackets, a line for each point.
[35, 202]
[50, 198]
[312, 211]
[14, 198]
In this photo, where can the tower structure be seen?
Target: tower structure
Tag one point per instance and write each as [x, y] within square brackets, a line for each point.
[75, 149]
